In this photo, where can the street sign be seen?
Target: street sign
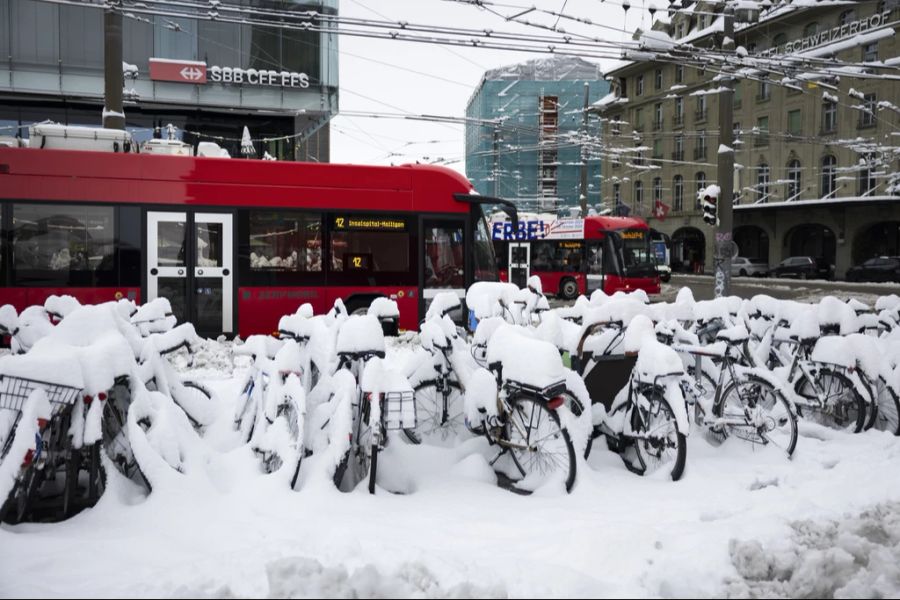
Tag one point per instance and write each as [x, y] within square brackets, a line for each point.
[180, 71]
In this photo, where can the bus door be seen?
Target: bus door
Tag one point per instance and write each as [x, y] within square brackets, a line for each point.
[195, 272]
[444, 259]
[519, 263]
[593, 262]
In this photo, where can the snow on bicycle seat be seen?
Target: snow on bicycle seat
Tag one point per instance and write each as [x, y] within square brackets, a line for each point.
[360, 334]
[734, 335]
[524, 359]
[716, 350]
[487, 298]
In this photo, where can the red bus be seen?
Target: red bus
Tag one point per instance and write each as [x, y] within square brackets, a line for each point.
[577, 256]
[234, 244]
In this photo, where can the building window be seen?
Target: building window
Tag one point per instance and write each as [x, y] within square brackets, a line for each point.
[678, 154]
[701, 108]
[762, 131]
[617, 195]
[657, 149]
[638, 119]
[657, 79]
[795, 122]
[811, 29]
[678, 193]
[793, 185]
[867, 114]
[657, 190]
[846, 17]
[736, 97]
[700, 178]
[639, 85]
[779, 40]
[870, 52]
[700, 148]
[638, 197]
[285, 241]
[658, 116]
[866, 176]
[763, 91]
[679, 112]
[829, 176]
[679, 73]
[762, 183]
[829, 116]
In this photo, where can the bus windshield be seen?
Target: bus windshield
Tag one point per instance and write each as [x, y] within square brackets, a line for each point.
[638, 259]
[483, 249]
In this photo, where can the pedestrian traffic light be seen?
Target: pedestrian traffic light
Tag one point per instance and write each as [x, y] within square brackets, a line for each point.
[710, 210]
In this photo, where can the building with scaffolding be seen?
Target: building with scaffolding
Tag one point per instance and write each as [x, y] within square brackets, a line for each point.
[526, 137]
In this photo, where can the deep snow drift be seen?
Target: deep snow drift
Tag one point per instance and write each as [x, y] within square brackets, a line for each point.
[740, 523]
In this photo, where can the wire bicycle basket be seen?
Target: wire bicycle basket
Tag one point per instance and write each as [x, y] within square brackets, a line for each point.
[14, 391]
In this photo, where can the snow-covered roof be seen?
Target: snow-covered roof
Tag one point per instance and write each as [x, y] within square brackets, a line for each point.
[553, 68]
[819, 202]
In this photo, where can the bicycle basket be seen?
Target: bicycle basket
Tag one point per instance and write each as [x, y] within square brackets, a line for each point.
[14, 391]
[399, 410]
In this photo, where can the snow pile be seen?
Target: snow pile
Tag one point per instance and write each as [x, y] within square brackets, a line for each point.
[857, 556]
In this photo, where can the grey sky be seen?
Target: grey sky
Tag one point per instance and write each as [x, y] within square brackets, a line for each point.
[368, 82]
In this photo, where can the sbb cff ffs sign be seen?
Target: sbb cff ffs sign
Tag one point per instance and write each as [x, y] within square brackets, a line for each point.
[181, 71]
[190, 71]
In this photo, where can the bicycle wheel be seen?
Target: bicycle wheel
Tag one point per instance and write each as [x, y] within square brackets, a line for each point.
[844, 407]
[657, 441]
[753, 410]
[355, 466]
[433, 425]
[539, 445]
[115, 443]
[887, 410]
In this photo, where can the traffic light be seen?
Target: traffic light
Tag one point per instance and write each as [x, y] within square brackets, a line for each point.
[710, 210]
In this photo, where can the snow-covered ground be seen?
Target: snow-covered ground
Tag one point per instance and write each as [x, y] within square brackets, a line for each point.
[740, 523]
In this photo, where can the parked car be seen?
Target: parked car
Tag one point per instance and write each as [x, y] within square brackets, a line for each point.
[883, 268]
[665, 273]
[803, 267]
[743, 267]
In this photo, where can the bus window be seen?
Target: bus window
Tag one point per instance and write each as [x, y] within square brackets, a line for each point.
[63, 245]
[285, 241]
[369, 243]
[594, 259]
[444, 255]
[638, 259]
[485, 260]
[569, 256]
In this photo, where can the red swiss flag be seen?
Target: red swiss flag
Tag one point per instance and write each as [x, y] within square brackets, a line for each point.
[661, 210]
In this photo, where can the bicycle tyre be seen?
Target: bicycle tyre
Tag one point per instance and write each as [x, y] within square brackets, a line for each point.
[854, 419]
[784, 419]
[648, 456]
[887, 410]
[562, 448]
[373, 468]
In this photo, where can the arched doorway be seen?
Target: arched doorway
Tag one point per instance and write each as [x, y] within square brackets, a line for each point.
[810, 239]
[688, 250]
[752, 242]
[879, 239]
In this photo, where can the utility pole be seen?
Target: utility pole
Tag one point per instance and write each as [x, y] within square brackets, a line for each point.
[584, 154]
[725, 173]
[114, 80]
